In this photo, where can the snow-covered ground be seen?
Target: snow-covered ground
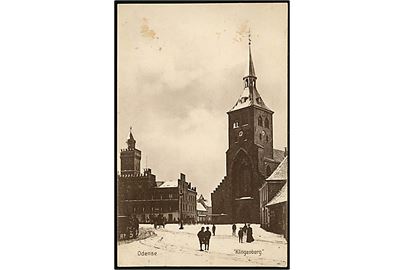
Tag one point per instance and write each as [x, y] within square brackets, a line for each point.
[173, 247]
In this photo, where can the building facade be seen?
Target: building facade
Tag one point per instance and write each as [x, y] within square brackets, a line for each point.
[140, 194]
[204, 210]
[274, 201]
[250, 157]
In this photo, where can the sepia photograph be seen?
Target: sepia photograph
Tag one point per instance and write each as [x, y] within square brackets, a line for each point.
[158, 135]
[202, 134]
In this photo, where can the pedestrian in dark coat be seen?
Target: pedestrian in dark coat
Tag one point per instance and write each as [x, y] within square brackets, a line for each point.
[240, 234]
[249, 236]
[213, 229]
[245, 228]
[207, 237]
[233, 229]
[201, 237]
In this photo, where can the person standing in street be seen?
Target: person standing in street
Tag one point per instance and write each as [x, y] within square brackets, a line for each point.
[213, 229]
[234, 229]
[201, 236]
[249, 234]
[207, 236]
[240, 234]
[244, 228]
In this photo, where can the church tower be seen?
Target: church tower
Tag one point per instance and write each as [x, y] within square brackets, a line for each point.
[249, 158]
[130, 157]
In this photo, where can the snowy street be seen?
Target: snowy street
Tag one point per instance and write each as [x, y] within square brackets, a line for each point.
[173, 247]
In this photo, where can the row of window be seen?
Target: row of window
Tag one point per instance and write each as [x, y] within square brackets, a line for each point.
[189, 198]
[187, 207]
[253, 83]
[259, 122]
[148, 196]
[154, 209]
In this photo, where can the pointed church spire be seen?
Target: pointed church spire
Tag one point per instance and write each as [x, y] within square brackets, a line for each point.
[250, 96]
[251, 66]
[250, 78]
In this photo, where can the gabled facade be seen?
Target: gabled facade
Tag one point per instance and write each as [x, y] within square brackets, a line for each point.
[204, 210]
[274, 201]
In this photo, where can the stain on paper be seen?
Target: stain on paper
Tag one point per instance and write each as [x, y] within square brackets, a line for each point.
[146, 31]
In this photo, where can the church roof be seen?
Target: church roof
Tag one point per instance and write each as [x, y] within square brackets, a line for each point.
[280, 197]
[281, 171]
[249, 97]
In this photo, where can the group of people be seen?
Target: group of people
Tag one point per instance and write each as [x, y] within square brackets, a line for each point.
[245, 230]
[204, 237]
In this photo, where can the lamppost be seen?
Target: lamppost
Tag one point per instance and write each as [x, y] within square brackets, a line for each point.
[181, 210]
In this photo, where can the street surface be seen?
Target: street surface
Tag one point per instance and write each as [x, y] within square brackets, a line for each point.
[173, 247]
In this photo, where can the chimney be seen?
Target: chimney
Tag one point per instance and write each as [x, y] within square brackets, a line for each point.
[182, 177]
[285, 151]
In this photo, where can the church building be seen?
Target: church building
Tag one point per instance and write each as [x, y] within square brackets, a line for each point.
[250, 157]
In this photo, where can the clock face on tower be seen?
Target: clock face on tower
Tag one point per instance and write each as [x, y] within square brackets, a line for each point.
[240, 133]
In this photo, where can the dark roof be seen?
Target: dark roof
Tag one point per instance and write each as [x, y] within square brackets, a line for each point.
[278, 155]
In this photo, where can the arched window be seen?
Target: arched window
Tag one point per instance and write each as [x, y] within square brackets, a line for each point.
[266, 123]
[260, 121]
[268, 170]
[260, 136]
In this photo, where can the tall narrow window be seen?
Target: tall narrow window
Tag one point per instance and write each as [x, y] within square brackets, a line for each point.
[260, 121]
[266, 123]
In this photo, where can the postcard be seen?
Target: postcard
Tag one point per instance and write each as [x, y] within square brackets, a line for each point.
[202, 144]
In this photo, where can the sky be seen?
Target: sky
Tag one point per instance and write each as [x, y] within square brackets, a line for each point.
[180, 69]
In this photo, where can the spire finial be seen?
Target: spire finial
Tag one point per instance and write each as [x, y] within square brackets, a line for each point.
[130, 139]
[251, 71]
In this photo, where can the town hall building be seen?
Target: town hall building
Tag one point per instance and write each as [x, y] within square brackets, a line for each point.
[141, 195]
[250, 157]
